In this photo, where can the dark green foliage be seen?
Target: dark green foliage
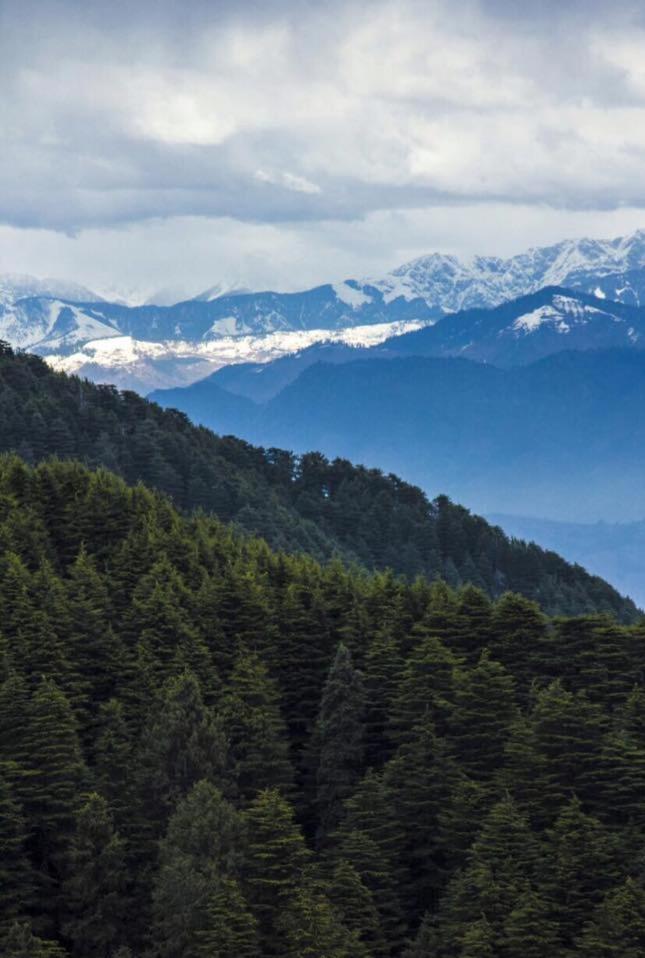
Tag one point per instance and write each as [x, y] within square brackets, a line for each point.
[16, 879]
[96, 891]
[480, 722]
[338, 742]
[20, 942]
[202, 847]
[617, 928]
[183, 711]
[259, 749]
[229, 929]
[275, 860]
[354, 904]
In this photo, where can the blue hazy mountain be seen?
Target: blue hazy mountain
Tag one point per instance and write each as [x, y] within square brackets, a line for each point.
[563, 437]
[515, 333]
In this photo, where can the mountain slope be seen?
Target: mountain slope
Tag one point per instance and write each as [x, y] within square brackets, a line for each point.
[243, 314]
[15, 286]
[303, 504]
[562, 437]
[515, 333]
[528, 328]
[615, 551]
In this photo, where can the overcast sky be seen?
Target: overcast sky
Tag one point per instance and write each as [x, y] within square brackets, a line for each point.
[153, 143]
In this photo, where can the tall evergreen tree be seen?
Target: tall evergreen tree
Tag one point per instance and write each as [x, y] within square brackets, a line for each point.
[275, 858]
[16, 879]
[484, 711]
[96, 893]
[617, 927]
[338, 741]
[204, 844]
[250, 711]
[229, 929]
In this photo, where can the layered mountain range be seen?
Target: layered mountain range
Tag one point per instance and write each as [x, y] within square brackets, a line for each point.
[146, 346]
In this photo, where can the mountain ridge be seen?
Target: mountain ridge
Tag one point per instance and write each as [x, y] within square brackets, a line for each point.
[423, 290]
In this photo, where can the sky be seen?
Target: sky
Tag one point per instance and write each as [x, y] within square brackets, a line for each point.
[171, 145]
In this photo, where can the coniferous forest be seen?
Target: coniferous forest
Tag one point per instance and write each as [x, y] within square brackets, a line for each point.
[209, 749]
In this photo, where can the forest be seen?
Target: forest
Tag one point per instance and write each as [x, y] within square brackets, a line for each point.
[213, 749]
[299, 504]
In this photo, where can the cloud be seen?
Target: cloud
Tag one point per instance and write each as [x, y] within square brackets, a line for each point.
[290, 116]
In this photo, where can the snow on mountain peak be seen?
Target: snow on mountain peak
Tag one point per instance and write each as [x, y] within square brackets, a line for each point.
[451, 284]
[16, 286]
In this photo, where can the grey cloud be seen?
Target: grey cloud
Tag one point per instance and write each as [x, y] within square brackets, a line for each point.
[125, 112]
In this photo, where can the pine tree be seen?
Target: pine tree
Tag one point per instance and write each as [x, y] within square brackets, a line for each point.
[25, 625]
[617, 927]
[472, 631]
[16, 879]
[568, 734]
[203, 845]
[229, 929]
[53, 776]
[112, 760]
[580, 865]
[96, 890]
[424, 944]
[502, 860]
[518, 637]
[478, 940]
[182, 745]
[252, 721]
[426, 686]
[309, 927]
[371, 838]
[354, 904]
[92, 646]
[418, 781]
[338, 741]
[484, 711]
[302, 662]
[529, 930]
[383, 665]
[275, 858]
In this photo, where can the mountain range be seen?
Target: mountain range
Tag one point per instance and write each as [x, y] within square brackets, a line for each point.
[561, 437]
[110, 340]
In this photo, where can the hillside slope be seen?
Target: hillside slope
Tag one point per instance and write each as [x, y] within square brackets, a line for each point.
[303, 503]
[562, 437]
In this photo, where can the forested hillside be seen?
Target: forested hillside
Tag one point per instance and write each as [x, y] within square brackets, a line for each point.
[298, 504]
[210, 749]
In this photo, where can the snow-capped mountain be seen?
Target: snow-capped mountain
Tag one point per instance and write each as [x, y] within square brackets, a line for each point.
[48, 325]
[58, 319]
[35, 323]
[15, 286]
[143, 366]
[529, 328]
[609, 268]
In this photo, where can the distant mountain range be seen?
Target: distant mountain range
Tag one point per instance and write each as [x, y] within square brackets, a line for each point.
[562, 437]
[61, 320]
[515, 333]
